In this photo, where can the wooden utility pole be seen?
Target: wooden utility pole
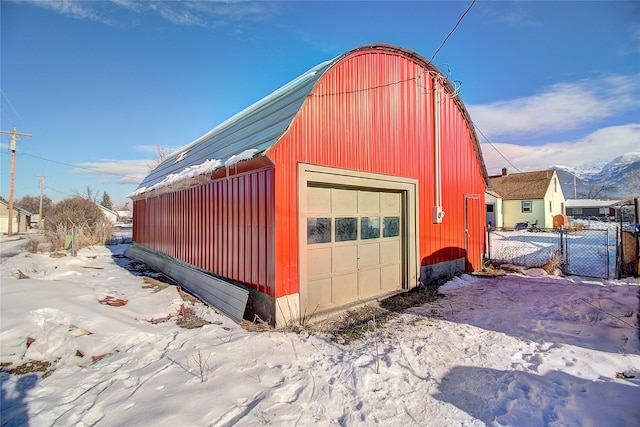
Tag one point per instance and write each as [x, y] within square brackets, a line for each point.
[14, 140]
[42, 177]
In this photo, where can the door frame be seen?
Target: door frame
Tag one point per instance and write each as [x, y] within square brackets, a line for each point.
[345, 178]
[473, 224]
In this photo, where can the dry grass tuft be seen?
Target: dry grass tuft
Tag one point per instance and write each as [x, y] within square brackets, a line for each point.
[552, 265]
[32, 366]
[154, 284]
[489, 271]
[256, 326]
[190, 320]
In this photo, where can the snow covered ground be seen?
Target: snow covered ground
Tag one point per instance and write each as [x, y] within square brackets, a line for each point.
[512, 350]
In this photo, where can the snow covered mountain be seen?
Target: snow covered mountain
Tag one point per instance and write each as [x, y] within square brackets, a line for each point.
[619, 178]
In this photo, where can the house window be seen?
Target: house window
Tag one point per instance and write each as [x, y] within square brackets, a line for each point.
[604, 211]
[577, 211]
[562, 208]
[490, 208]
[550, 206]
[526, 206]
[555, 185]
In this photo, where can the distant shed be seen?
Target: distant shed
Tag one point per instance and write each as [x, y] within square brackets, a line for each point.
[21, 220]
[361, 178]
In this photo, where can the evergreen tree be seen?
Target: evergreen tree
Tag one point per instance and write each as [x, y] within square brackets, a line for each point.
[106, 200]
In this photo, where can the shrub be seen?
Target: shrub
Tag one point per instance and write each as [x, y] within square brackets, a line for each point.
[92, 227]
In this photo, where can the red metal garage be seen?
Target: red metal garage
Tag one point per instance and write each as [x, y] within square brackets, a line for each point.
[360, 178]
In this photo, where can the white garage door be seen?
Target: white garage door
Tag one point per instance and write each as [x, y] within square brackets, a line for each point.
[354, 245]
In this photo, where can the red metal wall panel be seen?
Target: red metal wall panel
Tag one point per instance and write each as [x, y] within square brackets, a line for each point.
[222, 227]
[373, 112]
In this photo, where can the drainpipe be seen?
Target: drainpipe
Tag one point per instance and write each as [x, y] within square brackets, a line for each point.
[438, 213]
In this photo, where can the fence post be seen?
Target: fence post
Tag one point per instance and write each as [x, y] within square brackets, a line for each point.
[488, 243]
[563, 250]
[73, 241]
[607, 259]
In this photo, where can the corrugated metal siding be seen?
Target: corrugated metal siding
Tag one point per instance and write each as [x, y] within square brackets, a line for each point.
[225, 227]
[372, 111]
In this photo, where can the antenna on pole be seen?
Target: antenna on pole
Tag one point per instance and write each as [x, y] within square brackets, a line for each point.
[14, 140]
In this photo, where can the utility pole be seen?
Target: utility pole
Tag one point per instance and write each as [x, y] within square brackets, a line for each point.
[42, 177]
[14, 140]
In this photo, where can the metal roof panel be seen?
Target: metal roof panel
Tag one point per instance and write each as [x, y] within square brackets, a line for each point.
[257, 127]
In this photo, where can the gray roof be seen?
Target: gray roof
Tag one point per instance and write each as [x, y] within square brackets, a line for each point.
[257, 127]
[15, 207]
[591, 203]
[524, 185]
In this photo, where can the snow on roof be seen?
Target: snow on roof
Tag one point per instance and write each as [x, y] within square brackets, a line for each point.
[240, 137]
[205, 167]
[591, 203]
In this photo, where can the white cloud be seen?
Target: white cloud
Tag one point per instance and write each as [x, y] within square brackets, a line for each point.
[558, 108]
[75, 9]
[188, 13]
[123, 171]
[603, 144]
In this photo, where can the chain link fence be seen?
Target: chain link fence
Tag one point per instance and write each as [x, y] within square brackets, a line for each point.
[120, 235]
[523, 247]
[79, 237]
[583, 252]
[591, 253]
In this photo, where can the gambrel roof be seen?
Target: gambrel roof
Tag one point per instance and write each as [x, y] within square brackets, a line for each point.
[524, 185]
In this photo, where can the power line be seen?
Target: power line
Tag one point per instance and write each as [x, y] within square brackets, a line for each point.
[58, 191]
[77, 167]
[453, 30]
[4, 95]
[495, 148]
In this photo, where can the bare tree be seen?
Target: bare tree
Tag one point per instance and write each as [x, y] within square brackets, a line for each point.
[598, 191]
[162, 152]
[77, 213]
[32, 204]
[88, 194]
[634, 183]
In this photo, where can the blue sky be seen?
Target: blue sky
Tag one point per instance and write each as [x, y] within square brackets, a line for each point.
[101, 84]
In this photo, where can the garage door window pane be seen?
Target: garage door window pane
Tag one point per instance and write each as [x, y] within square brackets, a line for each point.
[318, 230]
[391, 226]
[370, 227]
[346, 229]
